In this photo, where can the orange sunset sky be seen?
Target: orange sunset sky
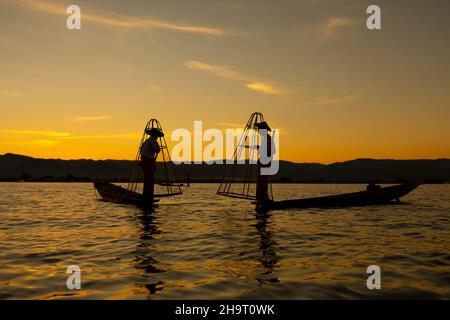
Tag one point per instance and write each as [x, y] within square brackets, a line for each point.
[336, 90]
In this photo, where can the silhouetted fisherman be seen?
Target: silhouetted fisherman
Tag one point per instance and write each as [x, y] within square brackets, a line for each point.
[262, 183]
[149, 152]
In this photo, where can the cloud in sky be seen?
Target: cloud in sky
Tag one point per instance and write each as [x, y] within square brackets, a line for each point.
[264, 87]
[90, 118]
[333, 27]
[122, 21]
[44, 143]
[226, 72]
[37, 133]
[122, 136]
[217, 70]
[68, 136]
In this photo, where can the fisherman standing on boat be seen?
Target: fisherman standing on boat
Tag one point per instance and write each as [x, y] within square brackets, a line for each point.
[266, 152]
[149, 152]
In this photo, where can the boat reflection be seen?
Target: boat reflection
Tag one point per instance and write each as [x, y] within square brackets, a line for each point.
[268, 256]
[151, 278]
[147, 227]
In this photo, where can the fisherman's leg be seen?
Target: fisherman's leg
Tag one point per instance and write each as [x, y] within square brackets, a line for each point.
[262, 188]
[144, 171]
[147, 167]
[151, 182]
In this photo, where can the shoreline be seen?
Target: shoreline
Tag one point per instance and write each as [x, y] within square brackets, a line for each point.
[216, 181]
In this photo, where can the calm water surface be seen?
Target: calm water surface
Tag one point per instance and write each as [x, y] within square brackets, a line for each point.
[201, 246]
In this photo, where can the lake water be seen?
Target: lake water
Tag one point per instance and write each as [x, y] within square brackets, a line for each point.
[202, 246]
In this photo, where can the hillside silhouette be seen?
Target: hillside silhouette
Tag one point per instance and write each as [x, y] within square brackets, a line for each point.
[18, 167]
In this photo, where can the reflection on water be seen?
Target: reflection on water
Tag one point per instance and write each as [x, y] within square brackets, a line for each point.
[144, 261]
[200, 246]
[268, 256]
[147, 226]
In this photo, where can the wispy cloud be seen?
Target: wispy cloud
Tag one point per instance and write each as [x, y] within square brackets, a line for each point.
[337, 100]
[251, 83]
[37, 133]
[68, 136]
[90, 118]
[122, 21]
[333, 27]
[36, 143]
[121, 136]
[264, 87]
[217, 70]
[44, 143]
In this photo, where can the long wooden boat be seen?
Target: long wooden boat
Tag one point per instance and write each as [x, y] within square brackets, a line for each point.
[117, 194]
[378, 196]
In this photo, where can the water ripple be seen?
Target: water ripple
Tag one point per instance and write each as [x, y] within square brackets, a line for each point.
[200, 246]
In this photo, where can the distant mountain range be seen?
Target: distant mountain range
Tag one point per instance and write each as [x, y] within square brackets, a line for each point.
[17, 167]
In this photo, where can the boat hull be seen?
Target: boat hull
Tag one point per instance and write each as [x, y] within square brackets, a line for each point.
[112, 193]
[381, 196]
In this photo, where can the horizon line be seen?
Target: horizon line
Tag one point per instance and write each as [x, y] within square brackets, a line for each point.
[224, 160]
